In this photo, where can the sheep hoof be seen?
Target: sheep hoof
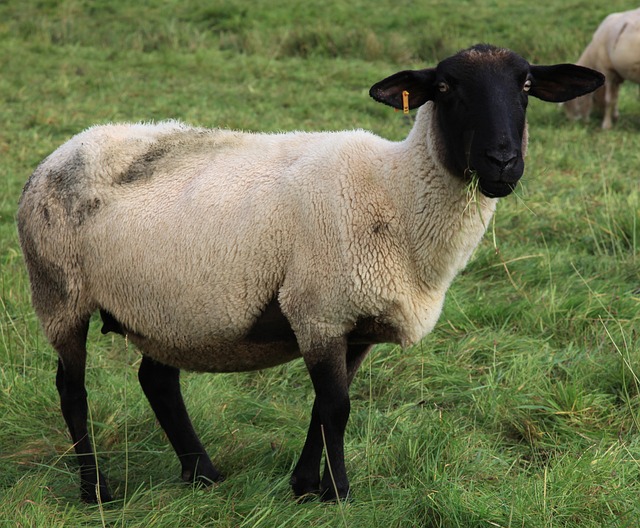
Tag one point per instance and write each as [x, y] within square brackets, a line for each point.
[329, 495]
[305, 489]
[94, 493]
[202, 476]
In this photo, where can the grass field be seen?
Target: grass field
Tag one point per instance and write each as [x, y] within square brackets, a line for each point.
[521, 409]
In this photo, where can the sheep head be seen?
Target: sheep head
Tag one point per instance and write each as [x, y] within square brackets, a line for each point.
[480, 96]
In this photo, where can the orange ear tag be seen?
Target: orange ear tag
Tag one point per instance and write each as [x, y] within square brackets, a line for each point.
[405, 102]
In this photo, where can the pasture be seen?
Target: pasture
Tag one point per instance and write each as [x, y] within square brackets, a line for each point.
[521, 409]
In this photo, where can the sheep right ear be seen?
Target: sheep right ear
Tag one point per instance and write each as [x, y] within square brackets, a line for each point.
[419, 83]
[563, 82]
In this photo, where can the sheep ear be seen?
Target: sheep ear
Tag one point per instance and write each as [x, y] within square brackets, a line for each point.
[419, 84]
[563, 82]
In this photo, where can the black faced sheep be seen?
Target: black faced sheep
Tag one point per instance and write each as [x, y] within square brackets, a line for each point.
[224, 251]
[615, 51]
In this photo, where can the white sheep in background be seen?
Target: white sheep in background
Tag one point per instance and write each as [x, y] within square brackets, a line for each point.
[614, 50]
[222, 251]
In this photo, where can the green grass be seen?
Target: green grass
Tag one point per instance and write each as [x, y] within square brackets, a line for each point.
[521, 409]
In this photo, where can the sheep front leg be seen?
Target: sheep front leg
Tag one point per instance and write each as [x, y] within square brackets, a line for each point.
[161, 385]
[332, 368]
[305, 479]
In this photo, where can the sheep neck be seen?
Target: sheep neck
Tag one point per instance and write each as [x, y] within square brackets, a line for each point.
[445, 218]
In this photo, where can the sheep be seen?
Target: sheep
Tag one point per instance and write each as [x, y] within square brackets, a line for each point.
[223, 251]
[615, 51]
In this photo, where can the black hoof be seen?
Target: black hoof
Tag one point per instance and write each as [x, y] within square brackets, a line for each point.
[305, 489]
[202, 476]
[329, 495]
[95, 493]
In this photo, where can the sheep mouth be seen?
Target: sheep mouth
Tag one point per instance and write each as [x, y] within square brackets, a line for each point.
[496, 189]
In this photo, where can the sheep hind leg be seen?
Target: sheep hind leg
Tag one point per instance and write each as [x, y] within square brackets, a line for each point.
[305, 480]
[161, 385]
[70, 380]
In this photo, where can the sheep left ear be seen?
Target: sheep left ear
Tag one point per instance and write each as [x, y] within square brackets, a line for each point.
[419, 84]
[563, 82]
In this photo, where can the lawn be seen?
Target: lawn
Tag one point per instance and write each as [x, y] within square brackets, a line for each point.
[521, 409]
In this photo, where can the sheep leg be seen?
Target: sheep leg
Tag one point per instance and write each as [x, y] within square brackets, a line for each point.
[305, 479]
[355, 356]
[161, 385]
[73, 402]
[615, 93]
[612, 88]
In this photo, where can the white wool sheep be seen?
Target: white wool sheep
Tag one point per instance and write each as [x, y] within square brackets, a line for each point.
[614, 50]
[221, 251]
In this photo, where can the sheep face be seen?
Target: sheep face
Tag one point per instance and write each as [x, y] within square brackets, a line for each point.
[480, 97]
[481, 101]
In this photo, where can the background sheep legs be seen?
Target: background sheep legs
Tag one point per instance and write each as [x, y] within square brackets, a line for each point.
[73, 401]
[161, 386]
[611, 113]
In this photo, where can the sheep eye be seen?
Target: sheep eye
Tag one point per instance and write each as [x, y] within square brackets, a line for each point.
[527, 85]
[443, 87]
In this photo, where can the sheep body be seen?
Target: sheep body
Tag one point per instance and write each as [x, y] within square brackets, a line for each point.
[326, 223]
[615, 51]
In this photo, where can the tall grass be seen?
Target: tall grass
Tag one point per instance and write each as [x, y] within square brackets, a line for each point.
[521, 409]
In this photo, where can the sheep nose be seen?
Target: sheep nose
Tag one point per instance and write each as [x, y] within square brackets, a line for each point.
[503, 159]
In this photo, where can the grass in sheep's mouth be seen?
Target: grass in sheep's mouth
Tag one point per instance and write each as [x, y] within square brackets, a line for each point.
[472, 188]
